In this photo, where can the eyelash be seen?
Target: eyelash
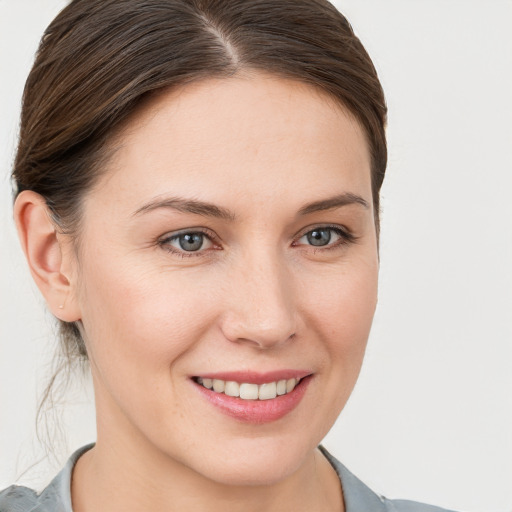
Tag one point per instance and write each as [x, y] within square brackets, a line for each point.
[345, 238]
[164, 243]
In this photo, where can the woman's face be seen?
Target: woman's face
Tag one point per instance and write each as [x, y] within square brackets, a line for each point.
[231, 238]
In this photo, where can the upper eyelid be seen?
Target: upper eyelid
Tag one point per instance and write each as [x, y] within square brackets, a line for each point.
[175, 234]
[335, 227]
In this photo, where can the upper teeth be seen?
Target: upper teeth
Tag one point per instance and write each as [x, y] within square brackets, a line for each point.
[249, 391]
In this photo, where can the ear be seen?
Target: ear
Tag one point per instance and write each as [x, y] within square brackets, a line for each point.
[49, 255]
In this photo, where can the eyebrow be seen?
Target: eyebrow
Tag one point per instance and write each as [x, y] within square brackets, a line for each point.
[187, 206]
[210, 210]
[334, 202]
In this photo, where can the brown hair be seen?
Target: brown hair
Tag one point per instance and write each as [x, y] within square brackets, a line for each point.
[99, 59]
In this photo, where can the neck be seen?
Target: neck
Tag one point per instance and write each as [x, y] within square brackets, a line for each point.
[147, 481]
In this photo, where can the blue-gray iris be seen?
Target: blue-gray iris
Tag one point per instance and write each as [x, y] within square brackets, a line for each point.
[319, 237]
[191, 241]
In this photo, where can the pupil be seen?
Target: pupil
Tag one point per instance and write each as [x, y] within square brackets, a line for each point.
[191, 241]
[319, 237]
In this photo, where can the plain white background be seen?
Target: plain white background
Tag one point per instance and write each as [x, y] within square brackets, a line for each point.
[431, 417]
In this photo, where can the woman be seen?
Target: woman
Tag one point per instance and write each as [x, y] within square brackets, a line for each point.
[198, 201]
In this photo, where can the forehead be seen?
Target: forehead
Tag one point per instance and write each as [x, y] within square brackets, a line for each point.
[253, 135]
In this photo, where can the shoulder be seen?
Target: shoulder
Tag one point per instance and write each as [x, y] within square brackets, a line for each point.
[411, 506]
[17, 499]
[359, 497]
[22, 499]
[54, 498]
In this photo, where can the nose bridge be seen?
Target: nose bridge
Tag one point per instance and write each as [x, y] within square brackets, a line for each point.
[262, 306]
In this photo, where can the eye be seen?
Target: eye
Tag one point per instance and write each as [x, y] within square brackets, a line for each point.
[187, 242]
[325, 236]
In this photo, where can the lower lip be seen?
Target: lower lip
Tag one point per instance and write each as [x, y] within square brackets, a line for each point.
[256, 411]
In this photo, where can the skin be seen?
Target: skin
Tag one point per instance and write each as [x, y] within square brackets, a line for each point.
[256, 296]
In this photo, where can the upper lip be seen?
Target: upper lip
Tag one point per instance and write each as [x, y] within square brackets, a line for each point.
[253, 377]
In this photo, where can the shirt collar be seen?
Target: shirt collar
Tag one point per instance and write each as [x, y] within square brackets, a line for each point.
[357, 496]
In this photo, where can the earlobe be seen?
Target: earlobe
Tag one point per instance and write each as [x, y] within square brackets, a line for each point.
[48, 260]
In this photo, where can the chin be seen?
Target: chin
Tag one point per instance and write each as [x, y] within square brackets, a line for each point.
[255, 462]
[252, 471]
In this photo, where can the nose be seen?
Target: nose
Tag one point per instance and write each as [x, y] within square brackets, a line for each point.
[260, 303]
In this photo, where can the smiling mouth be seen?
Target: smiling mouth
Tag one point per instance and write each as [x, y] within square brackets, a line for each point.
[249, 391]
[254, 397]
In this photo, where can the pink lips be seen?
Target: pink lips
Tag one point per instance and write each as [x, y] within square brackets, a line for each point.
[257, 411]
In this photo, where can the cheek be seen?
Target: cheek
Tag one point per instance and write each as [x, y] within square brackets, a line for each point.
[341, 311]
[338, 312]
[139, 331]
[140, 322]
[343, 302]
